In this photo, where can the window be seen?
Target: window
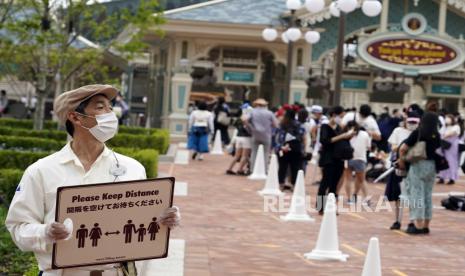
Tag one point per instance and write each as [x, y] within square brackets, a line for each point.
[299, 57]
[184, 49]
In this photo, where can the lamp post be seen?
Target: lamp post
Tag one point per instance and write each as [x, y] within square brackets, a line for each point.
[338, 8]
[290, 35]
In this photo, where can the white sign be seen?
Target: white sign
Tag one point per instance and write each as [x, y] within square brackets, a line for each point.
[113, 222]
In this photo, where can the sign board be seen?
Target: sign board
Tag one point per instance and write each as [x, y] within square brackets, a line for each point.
[354, 84]
[236, 76]
[399, 52]
[446, 89]
[113, 222]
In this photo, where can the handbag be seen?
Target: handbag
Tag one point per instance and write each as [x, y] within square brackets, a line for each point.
[223, 118]
[461, 148]
[445, 145]
[343, 150]
[417, 152]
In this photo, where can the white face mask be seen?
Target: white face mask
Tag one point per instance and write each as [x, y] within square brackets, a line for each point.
[448, 121]
[337, 120]
[106, 128]
[412, 127]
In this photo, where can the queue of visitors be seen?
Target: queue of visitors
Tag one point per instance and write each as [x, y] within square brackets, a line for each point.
[348, 145]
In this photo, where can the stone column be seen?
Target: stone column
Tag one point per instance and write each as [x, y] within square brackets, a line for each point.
[180, 91]
[298, 92]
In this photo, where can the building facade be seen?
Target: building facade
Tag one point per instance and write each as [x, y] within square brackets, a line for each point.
[217, 47]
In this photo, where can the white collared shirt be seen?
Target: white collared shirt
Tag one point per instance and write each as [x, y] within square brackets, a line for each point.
[33, 205]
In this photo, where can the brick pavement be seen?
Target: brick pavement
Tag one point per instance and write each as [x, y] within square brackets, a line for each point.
[227, 232]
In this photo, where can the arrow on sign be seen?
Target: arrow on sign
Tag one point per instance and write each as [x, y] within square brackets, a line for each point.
[112, 233]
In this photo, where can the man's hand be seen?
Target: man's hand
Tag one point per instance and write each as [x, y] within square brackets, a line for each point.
[171, 217]
[56, 231]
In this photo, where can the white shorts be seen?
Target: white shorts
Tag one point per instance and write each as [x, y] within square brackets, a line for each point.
[243, 142]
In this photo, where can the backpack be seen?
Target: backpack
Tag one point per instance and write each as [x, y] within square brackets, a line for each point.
[455, 203]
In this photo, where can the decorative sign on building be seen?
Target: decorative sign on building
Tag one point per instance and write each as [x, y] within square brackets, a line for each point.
[446, 89]
[399, 52]
[237, 76]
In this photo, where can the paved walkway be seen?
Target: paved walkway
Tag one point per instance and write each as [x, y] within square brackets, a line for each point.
[226, 231]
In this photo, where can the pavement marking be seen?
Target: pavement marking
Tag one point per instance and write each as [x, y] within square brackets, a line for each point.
[355, 250]
[438, 207]
[275, 218]
[303, 258]
[182, 157]
[401, 233]
[173, 265]
[182, 145]
[171, 170]
[180, 188]
[356, 216]
[265, 245]
[400, 273]
[255, 211]
[448, 194]
[246, 190]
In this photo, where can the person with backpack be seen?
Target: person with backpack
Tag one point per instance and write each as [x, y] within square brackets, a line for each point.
[393, 187]
[335, 149]
[222, 120]
[289, 146]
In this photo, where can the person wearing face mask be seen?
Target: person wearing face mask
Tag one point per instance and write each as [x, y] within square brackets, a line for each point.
[90, 121]
[451, 136]
[393, 186]
[332, 166]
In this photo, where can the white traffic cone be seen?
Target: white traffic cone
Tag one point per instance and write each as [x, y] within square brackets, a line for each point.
[298, 209]
[217, 146]
[372, 265]
[272, 183]
[327, 246]
[259, 172]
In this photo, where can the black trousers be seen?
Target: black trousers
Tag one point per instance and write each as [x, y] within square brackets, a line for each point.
[331, 175]
[290, 160]
[224, 133]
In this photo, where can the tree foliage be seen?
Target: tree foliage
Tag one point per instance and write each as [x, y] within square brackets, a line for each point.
[51, 43]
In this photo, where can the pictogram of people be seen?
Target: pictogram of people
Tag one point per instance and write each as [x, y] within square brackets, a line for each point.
[128, 229]
[81, 234]
[153, 228]
[142, 231]
[95, 234]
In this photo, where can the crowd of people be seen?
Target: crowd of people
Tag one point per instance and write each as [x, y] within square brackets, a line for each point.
[420, 146]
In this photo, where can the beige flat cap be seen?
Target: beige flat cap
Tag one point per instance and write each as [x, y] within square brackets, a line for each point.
[260, 102]
[70, 100]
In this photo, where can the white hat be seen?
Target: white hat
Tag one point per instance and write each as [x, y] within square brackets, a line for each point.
[317, 109]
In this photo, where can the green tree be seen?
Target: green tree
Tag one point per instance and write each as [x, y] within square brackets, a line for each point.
[45, 42]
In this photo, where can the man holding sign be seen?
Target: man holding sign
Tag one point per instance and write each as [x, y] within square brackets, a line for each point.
[89, 119]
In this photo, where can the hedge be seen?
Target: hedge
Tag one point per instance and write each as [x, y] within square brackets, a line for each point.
[46, 133]
[158, 140]
[10, 159]
[9, 180]
[30, 143]
[147, 157]
[25, 123]
[13, 260]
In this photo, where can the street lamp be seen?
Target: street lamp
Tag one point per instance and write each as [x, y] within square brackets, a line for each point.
[293, 32]
[337, 8]
[369, 8]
